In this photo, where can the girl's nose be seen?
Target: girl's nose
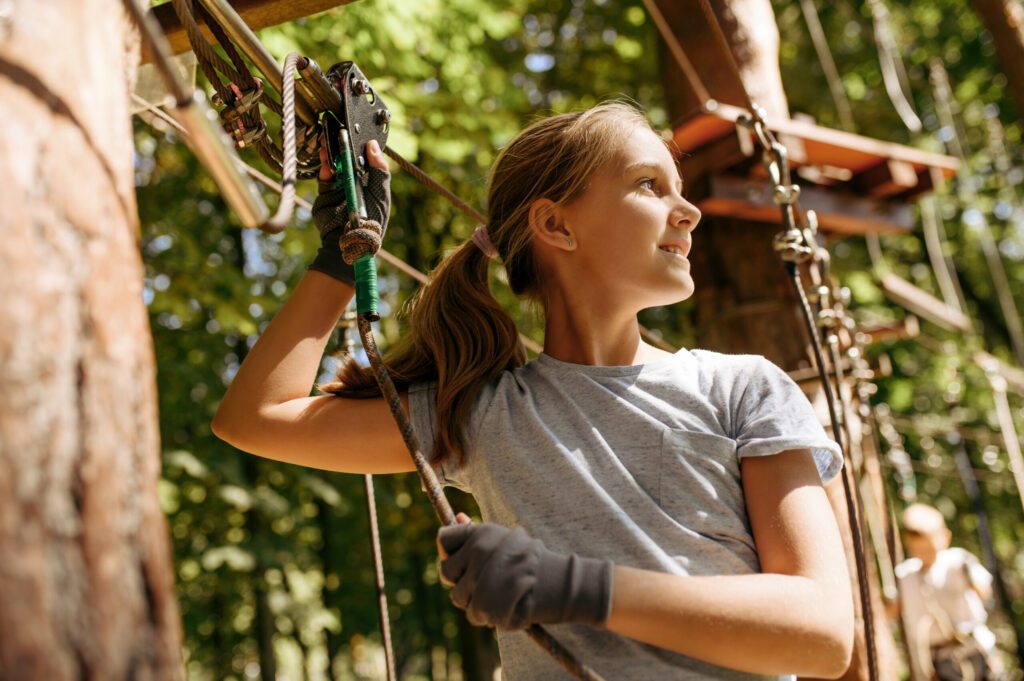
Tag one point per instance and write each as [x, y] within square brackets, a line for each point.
[686, 215]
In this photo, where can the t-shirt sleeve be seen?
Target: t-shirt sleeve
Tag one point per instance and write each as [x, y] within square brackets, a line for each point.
[979, 574]
[775, 416]
[423, 415]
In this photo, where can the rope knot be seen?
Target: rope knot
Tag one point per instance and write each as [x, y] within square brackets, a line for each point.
[366, 238]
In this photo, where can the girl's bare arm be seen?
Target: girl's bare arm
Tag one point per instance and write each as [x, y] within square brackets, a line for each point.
[268, 411]
[796, 617]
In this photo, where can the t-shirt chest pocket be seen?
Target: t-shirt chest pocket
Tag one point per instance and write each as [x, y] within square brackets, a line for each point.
[699, 474]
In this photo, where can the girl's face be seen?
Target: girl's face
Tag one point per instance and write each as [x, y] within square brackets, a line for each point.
[633, 227]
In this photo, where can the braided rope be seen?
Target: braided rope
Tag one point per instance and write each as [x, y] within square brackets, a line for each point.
[283, 215]
[209, 61]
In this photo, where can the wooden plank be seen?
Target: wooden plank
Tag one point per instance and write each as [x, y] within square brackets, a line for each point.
[924, 304]
[838, 211]
[822, 146]
[724, 154]
[887, 178]
[908, 327]
[256, 13]
[693, 132]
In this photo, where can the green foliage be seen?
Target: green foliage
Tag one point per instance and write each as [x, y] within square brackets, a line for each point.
[276, 557]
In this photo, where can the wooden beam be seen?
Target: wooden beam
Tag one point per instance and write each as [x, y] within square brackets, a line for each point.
[256, 13]
[838, 211]
[887, 178]
[727, 153]
[924, 304]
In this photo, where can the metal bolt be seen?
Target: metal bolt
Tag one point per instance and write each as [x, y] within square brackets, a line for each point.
[360, 86]
[357, 127]
[383, 116]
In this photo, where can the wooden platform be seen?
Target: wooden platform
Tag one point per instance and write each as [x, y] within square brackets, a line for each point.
[856, 184]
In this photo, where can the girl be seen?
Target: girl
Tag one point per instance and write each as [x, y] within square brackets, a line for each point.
[668, 511]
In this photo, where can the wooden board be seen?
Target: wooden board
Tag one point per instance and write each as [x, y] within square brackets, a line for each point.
[838, 211]
[924, 304]
[256, 13]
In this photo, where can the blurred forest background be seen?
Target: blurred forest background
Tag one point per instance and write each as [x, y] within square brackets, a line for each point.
[272, 561]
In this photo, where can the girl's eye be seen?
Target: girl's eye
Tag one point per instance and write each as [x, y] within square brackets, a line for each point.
[650, 181]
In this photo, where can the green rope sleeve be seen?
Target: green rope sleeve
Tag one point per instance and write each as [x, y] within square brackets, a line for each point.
[367, 297]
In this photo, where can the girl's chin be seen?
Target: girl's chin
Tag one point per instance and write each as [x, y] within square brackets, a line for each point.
[672, 294]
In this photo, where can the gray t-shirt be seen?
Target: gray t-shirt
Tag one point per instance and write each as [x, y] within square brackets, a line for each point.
[639, 464]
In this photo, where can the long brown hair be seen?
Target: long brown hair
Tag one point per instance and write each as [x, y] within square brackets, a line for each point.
[459, 334]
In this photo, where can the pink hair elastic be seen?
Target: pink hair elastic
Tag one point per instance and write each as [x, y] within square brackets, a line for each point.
[483, 242]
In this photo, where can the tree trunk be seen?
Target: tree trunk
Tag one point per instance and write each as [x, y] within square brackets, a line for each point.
[86, 579]
[750, 28]
[744, 301]
[1004, 19]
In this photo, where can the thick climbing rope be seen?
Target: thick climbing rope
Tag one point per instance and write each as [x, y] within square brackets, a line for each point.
[795, 247]
[289, 169]
[243, 94]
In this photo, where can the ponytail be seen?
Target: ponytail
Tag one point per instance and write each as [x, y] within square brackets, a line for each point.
[459, 336]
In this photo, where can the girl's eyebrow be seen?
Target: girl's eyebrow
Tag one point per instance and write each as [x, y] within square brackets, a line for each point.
[650, 165]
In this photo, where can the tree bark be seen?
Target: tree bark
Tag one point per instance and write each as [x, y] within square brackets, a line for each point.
[749, 26]
[1004, 19]
[86, 580]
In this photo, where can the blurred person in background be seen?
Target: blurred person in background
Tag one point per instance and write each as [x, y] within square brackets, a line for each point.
[944, 591]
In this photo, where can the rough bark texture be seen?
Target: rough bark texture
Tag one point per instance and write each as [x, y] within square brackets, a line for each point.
[751, 30]
[86, 579]
[745, 302]
[1004, 19]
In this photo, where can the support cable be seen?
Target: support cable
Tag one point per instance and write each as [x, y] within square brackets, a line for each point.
[894, 73]
[828, 66]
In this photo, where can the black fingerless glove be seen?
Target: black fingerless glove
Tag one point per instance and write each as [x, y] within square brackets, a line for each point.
[330, 215]
[507, 579]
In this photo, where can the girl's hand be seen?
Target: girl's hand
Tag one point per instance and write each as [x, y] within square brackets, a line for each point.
[504, 578]
[330, 210]
[462, 519]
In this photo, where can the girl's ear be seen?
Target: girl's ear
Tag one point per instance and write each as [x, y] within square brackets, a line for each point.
[548, 225]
